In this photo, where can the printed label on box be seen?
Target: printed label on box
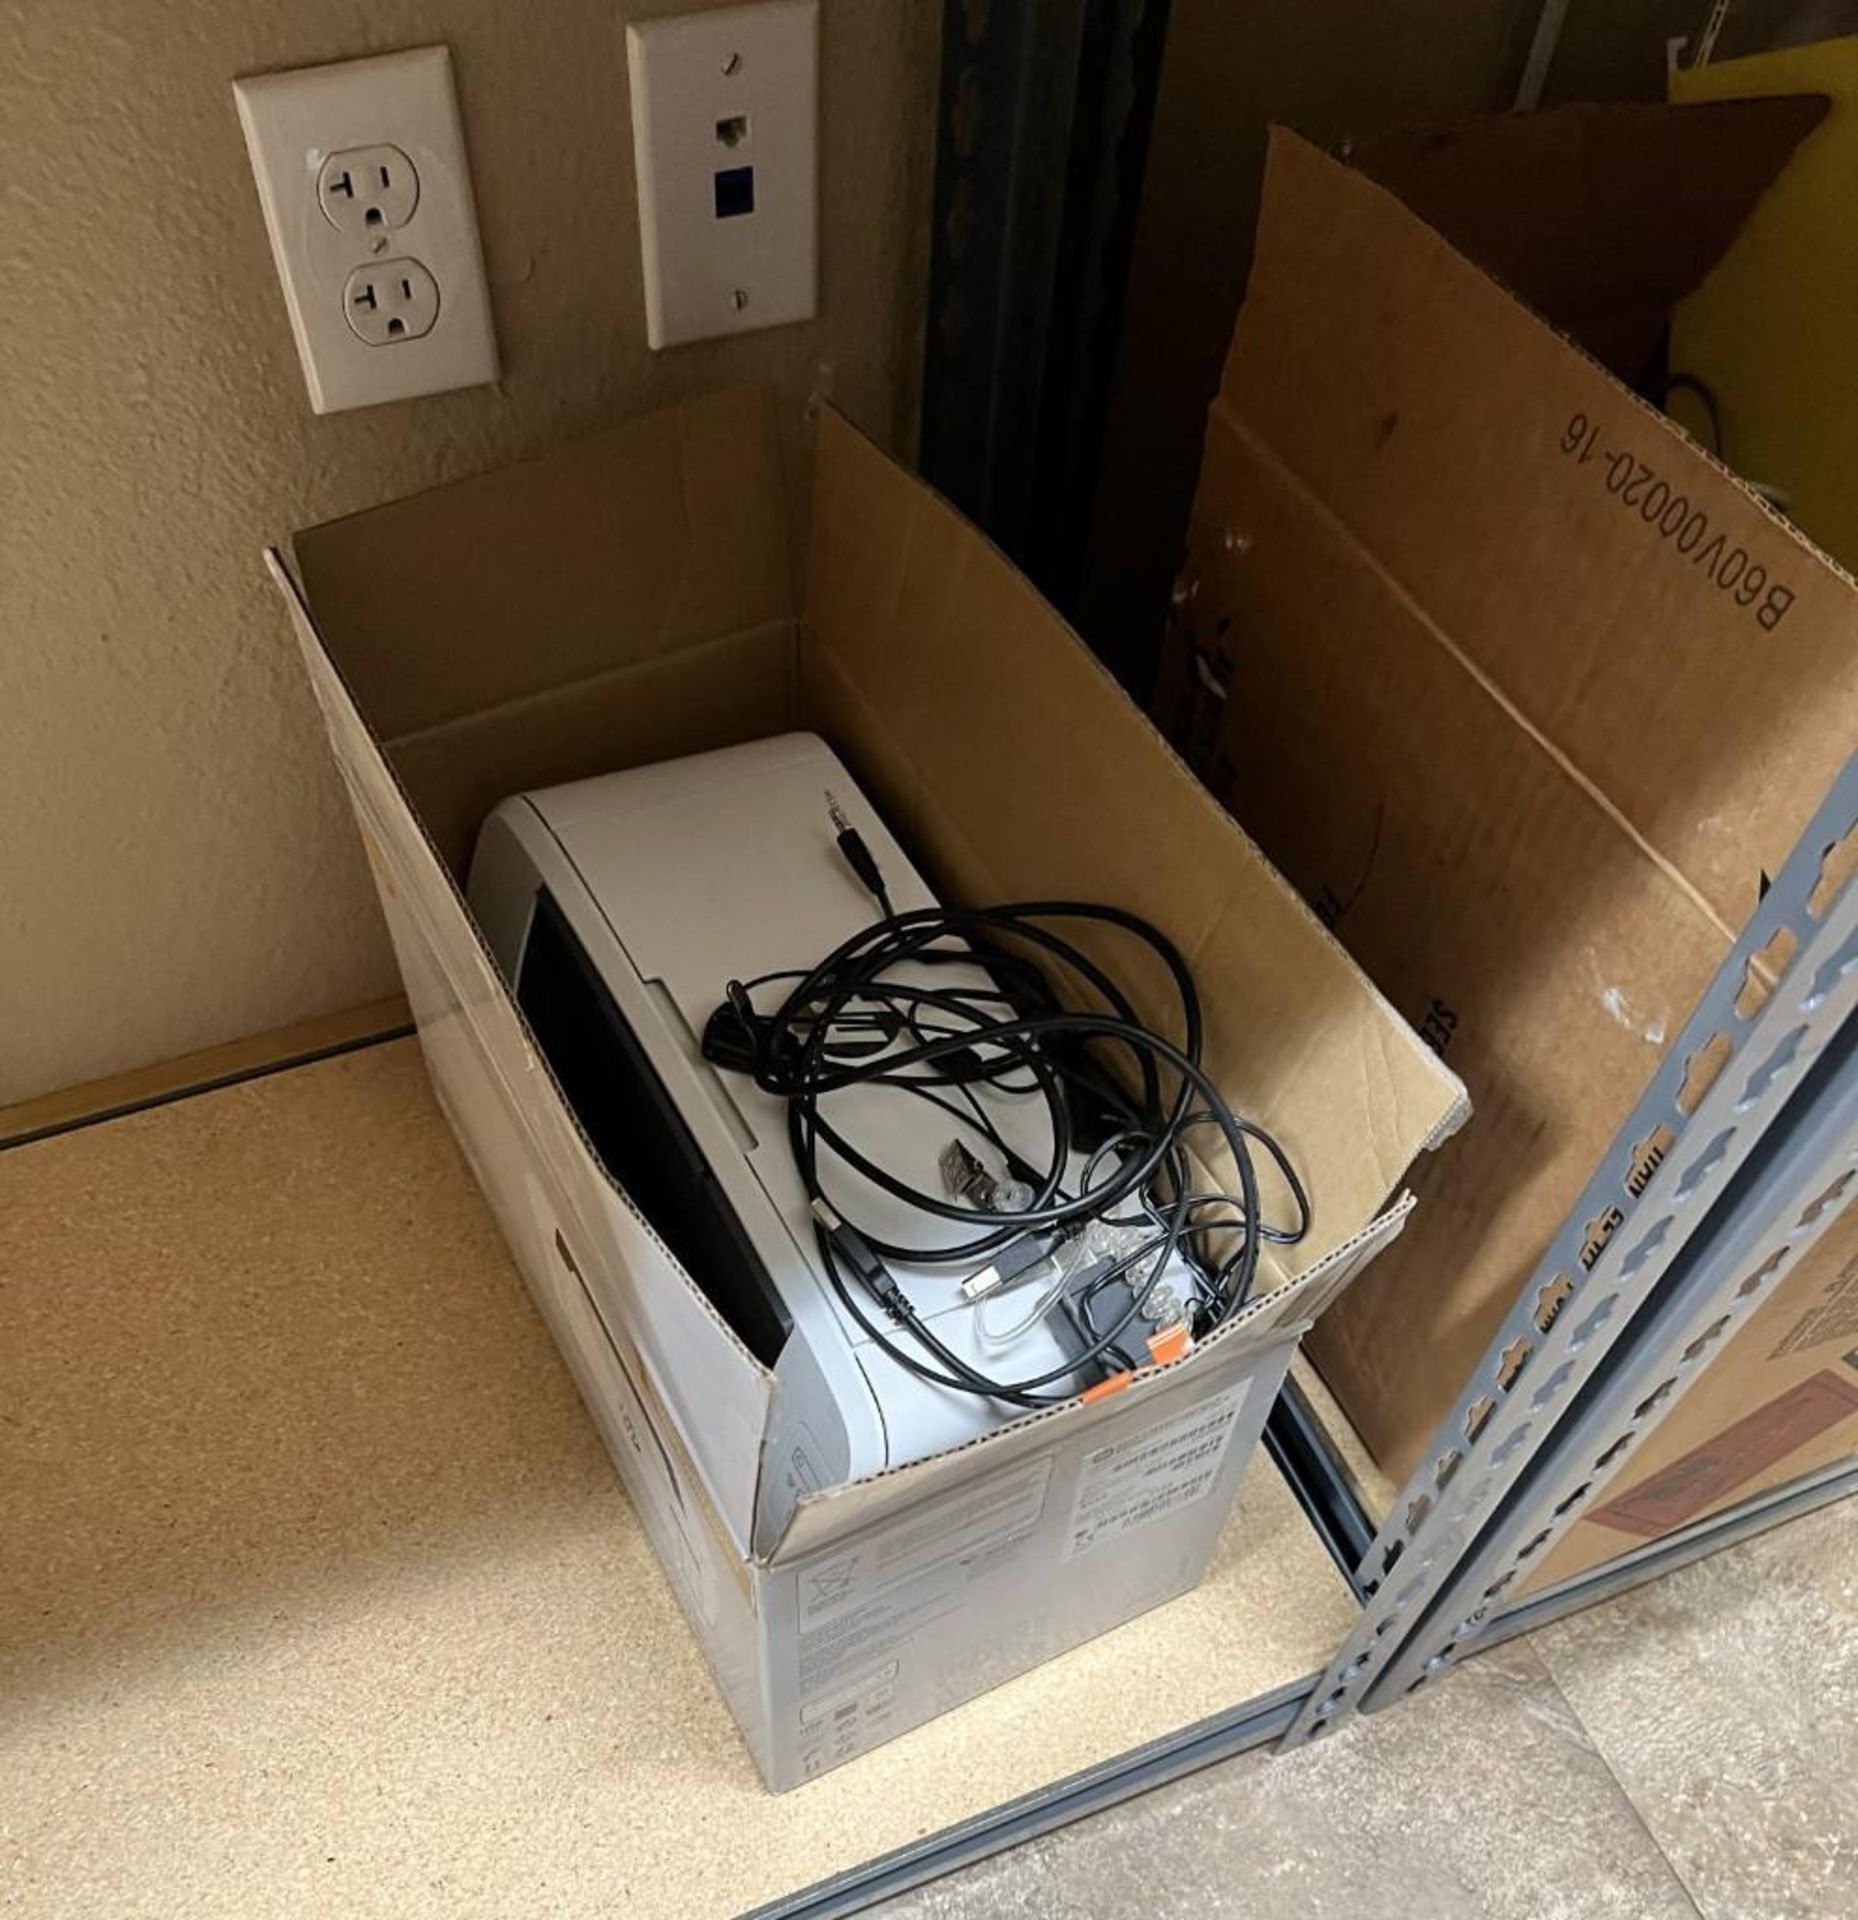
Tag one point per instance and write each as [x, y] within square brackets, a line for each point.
[860, 1604]
[856, 1715]
[1152, 1473]
[1833, 1318]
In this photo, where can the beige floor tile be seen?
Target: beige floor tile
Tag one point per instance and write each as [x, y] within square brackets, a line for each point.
[1482, 1801]
[1725, 1698]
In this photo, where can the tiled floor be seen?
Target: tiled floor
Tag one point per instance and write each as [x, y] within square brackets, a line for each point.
[1690, 1749]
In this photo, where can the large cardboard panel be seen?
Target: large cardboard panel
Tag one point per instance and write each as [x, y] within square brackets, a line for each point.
[1526, 753]
[657, 535]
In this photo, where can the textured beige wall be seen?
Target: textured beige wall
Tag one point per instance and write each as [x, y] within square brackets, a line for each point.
[176, 863]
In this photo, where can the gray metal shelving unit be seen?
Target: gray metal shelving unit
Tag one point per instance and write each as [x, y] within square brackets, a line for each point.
[1311, 1461]
[1743, 1150]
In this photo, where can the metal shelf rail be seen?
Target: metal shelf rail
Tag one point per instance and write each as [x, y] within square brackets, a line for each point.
[1707, 1193]
[1783, 1201]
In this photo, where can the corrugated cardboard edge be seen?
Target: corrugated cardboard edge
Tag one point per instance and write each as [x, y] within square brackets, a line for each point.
[1273, 1319]
[1224, 415]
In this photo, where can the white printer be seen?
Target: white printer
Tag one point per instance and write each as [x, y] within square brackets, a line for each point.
[619, 909]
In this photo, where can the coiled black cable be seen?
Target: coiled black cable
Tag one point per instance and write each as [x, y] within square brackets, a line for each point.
[871, 1014]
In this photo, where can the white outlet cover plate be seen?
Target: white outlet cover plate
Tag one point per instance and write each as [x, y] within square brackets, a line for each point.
[293, 122]
[708, 272]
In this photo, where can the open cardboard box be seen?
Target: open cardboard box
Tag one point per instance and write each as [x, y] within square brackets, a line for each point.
[1522, 688]
[629, 600]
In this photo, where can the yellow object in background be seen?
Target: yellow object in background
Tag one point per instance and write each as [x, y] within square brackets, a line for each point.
[1773, 331]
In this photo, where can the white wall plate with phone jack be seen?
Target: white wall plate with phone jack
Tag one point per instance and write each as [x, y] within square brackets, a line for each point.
[725, 137]
[367, 198]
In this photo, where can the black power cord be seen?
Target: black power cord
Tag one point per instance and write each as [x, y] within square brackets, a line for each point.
[871, 1014]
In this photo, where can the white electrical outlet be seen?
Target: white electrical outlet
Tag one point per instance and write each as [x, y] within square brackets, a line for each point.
[394, 300]
[361, 172]
[725, 135]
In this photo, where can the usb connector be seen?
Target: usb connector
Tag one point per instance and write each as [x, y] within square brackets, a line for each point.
[854, 1253]
[1011, 1263]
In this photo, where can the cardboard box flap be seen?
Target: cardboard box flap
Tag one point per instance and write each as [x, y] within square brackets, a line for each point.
[723, 1395]
[1494, 473]
[718, 693]
[622, 600]
[1600, 217]
[662, 534]
[1271, 1320]
[924, 653]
